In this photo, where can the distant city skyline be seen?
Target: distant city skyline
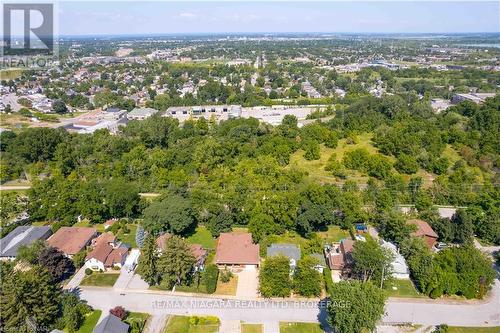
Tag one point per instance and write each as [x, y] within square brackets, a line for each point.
[163, 17]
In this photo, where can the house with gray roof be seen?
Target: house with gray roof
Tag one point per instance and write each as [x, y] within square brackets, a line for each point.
[111, 324]
[291, 251]
[22, 235]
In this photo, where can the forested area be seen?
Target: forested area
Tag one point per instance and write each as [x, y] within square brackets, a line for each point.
[238, 172]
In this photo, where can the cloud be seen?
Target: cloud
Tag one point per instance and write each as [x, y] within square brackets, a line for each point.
[187, 15]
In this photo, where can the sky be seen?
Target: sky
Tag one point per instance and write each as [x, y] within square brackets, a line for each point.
[162, 17]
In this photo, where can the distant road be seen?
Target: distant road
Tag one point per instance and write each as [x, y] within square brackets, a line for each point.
[14, 187]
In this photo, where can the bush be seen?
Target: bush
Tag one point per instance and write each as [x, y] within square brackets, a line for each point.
[327, 275]
[119, 311]
[226, 276]
[88, 271]
[210, 276]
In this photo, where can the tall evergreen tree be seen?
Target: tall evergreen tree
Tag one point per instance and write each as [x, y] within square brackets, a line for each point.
[176, 262]
[27, 299]
[147, 266]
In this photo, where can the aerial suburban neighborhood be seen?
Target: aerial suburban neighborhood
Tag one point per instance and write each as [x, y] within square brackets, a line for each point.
[250, 167]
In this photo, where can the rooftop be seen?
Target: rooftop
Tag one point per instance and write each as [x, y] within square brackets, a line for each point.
[237, 248]
[72, 240]
[22, 235]
[291, 251]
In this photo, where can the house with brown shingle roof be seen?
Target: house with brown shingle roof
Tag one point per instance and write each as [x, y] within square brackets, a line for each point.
[71, 240]
[237, 250]
[106, 253]
[424, 231]
[339, 255]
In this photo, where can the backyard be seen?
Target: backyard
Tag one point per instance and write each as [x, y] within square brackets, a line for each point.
[203, 237]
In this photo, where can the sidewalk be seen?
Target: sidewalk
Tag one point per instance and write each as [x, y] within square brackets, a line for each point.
[76, 279]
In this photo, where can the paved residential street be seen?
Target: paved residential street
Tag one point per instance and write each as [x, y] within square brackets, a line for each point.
[426, 312]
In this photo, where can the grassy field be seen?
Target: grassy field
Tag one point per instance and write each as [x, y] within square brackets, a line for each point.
[334, 234]
[316, 168]
[251, 328]
[289, 327]
[405, 288]
[90, 322]
[228, 288]
[457, 329]
[203, 237]
[183, 324]
[100, 279]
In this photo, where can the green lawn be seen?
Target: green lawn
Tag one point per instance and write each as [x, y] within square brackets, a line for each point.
[90, 322]
[457, 329]
[128, 238]
[183, 324]
[251, 328]
[203, 237]
[86, 223]
[334, 234]
[289, 327]
[290, 237]
[405, 288]
[100, 279]
[139, 318]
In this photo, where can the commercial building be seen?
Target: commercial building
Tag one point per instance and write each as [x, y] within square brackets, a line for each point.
[209, 112]
[141, 113]
[477, 98]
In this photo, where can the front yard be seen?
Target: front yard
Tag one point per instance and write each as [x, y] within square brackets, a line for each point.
[405, 288]
[290, 327]
[194, 324]
[227, 288]
[251, 328]
[89, 322]
[136, 320]
[100, 279]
